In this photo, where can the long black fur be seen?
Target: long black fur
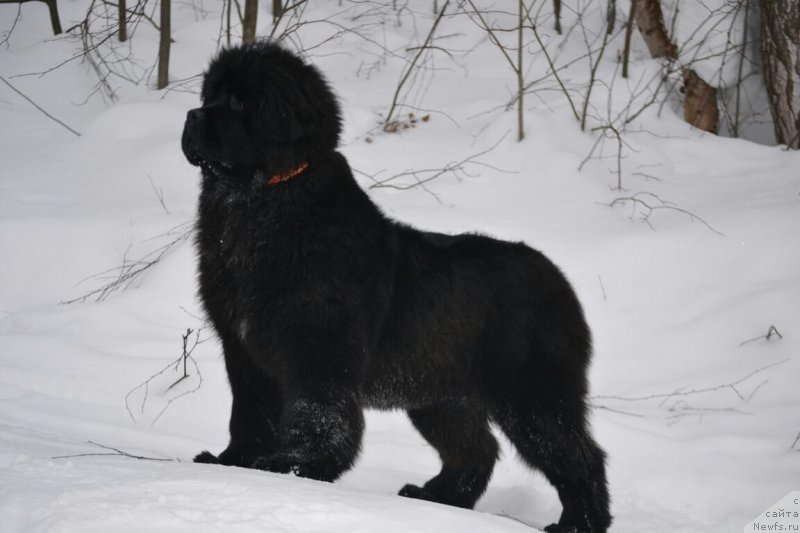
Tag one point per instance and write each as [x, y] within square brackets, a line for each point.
[324, 306]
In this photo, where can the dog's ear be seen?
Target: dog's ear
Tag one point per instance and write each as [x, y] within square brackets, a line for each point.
[304, 112]
[296, 131]
[313, 113]
[318, 117]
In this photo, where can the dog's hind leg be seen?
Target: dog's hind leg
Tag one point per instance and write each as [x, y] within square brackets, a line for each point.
[553, 438]
[468, 451]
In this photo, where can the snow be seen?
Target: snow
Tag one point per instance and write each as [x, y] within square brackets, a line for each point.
[175, 497]
[698, 418]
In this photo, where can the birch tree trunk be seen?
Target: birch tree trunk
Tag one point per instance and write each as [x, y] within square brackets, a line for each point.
[780, 45]
[700, 99]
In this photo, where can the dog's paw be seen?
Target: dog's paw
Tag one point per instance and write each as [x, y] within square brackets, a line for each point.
[277, 464]
[418, 493]
[206, 457]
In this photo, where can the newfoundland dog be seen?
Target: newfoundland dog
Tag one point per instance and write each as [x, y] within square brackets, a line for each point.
[324, 307]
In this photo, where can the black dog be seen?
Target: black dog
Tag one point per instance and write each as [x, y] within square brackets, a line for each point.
[324, 307]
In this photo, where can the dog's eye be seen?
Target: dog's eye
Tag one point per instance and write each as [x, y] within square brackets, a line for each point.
[235, 104]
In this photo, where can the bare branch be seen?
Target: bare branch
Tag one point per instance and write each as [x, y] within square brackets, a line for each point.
[680, 408]
[130, 270]
[638, 200]
[770, 332]
[695, 391]
[159, 194]
[426, 45]
[113, 452]
[37, 106]
[182, 360]
[421, 177]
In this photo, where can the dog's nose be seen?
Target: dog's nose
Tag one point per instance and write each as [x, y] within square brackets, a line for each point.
[193, 115]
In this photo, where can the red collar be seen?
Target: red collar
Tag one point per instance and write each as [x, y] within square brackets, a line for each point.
[286, 176]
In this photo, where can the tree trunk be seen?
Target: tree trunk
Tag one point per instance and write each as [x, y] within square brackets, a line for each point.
[650, 21]
[229, 9]
[780, 45]
[277, 9]
[123, 21]
[163, 45]
[700, 99]
[55, 22]
[699, 102]
[520, 75]
[611, 16]
[249, 22]
[557, 15]
[626, 51]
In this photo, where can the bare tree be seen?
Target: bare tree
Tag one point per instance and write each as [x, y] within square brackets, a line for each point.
[699, 102]
[626, 53]
[650, 20]
[55, 21]
[101, 46]
[611, 16]
[515, 62]
[249, 21]
[700, 99]
[557, 15]
[164, 44]
[520, 73]
[426, 46]
[123, 21]
[780, 43]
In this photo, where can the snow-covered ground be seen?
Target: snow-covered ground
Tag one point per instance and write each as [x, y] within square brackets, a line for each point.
[698, 423]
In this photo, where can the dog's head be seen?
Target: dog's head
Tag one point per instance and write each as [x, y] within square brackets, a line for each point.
[264, 109]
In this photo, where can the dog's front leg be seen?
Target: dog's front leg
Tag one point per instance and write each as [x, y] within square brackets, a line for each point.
[322, 420]
[255, 410]
[320, 436]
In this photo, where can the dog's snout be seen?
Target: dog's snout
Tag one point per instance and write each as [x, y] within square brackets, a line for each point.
[194, 115]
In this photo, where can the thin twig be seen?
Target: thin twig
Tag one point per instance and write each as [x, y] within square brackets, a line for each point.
[113, 452]
[185, 356]
[554, 70]
[130, 270]
[694, 391]
[159, 194]
[425, 46]
[636, 199]
[771, 331]
[592, 77]
[37, 106]
[424, 176]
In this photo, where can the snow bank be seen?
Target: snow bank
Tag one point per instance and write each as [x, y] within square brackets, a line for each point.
[681, 282]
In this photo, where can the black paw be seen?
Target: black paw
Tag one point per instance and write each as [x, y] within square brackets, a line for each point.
[207, 458]
[418, 493]
[279, 465]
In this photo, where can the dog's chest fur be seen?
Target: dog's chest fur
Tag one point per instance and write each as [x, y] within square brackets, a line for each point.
[299, 261]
